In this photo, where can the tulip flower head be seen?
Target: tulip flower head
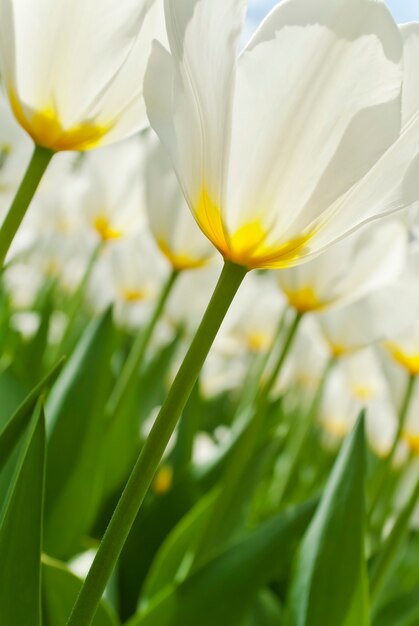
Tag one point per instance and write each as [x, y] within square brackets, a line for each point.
[363, 262]
[73, 69]
[171, 223]
[376, 316]
[113, 202]
[277, 164]
[357, 383]
[405, 349]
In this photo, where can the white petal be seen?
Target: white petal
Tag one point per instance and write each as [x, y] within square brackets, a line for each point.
[316, 104]
[170, 219]
[365, 261]
[85, 59]
[388, 187]
[194, 119]
[410, 99]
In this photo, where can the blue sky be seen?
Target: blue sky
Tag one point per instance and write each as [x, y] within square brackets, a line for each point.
[403, 10]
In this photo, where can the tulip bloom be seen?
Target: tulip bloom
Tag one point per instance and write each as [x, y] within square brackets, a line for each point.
[363, 262]
[171, 223]
[73, 69]
[290, 145]
[381, 314]
[404, 349]
[357, 383]
[74, 75]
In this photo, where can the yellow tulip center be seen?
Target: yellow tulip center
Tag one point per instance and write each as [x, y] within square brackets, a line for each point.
[362, 392]
[133, 295]
[247, 246]
[180, 261]
[412, 441]
[163, 480]
[409, 361]
[258, 341]
[46, 129]
[303, 300]
[337, 428]
[105, 229]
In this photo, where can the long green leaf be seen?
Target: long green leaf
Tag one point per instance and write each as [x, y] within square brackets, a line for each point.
[223, 590]
[266, 612]
[14, 428]
[331, 562]
[75, 420]
[402, 611]
[178, 546]
[21, 534]
[12, 393]
[60, 588]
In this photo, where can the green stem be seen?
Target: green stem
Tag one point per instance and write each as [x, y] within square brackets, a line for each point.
[217, 529]
[276, 370]
[385, 559]
[256, 370]
[77, 300]
[387, 463]
[298, 443]
[153, 450]
[410, 388]
[34, 173]
[138, 350]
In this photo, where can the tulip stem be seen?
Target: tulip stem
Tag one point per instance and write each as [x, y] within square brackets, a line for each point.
[33, 176]
[256, 370]
[385, 558]
[76, 302]
[145, 468]
[138, 350]
[410, 387]
[298, 442]
[277, 369]
[217, 530]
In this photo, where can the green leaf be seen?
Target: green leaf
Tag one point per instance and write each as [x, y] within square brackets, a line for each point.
[144, 393]
[266, 612]
[175, 550]
[385, 560]
[15, 426]
[32, 353]
[402, 611]
[21, 533]
[358, 614]
[12, 393]
[60, 588]
[330, 562]
[75, 411]
[159, 516]
[223, 590]
[11, 436]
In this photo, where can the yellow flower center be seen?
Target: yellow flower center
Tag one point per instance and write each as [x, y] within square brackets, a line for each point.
[163, 480]
[412, 441]
[303, 300]
[409, 361]
[362, 392]
[133, 295]
[258, 341]
[46, 129]
[337, 350]
[181, 261]
[247, 246]
[105, 230]
[337, 428]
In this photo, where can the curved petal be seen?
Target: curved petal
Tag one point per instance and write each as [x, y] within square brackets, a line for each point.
[190, 108]
[305, 133]
[410, 99]
[71, 64]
